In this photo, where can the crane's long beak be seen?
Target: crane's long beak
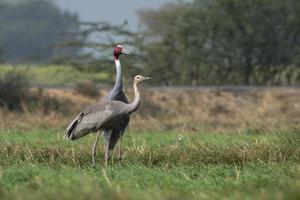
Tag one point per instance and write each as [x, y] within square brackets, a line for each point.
[147, 78]
[125, 51]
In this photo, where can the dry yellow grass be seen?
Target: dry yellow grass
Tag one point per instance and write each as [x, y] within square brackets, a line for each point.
[263, 110]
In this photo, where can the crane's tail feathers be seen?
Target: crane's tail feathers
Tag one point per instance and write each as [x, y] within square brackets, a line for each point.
[70, 132]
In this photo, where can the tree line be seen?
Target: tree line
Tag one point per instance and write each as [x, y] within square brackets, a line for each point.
[200, 42]
[30, 29]
[224, 42]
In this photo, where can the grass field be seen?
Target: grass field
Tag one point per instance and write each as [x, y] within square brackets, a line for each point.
[167, 165]
[210, 145]
[56, 74]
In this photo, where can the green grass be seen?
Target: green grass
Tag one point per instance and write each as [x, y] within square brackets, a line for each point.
[41, 164]
[55, 75]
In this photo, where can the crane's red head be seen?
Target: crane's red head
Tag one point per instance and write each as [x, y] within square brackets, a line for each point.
[118, 50]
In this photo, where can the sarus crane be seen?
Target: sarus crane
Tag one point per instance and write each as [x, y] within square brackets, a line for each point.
[117, 94]
[104, 115]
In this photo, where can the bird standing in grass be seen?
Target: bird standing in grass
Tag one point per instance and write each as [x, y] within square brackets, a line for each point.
[104, 115]
[117, 94]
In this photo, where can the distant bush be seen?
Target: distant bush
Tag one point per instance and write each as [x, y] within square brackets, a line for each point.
[87, 89]
[14, 88]
[15, 95]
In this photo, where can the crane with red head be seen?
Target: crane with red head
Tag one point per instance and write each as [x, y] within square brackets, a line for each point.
[112, 134]
[116, 94]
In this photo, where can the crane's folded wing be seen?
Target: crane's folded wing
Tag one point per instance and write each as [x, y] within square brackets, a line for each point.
[87, 122]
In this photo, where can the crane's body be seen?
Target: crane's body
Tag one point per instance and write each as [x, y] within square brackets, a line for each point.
[114, 134]
[100, 116]
[85, 122]
[103, 116]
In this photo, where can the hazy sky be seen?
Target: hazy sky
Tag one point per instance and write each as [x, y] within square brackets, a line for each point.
[113, 11]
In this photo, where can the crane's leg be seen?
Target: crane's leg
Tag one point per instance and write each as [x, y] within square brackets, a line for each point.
[95, 147]
[107, 151]
[120, 149]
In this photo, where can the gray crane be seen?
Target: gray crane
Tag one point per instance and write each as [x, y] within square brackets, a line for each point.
[117, 93]
[104, 115]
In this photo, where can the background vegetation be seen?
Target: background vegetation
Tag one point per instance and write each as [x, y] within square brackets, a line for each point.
[223, 42]
[185, 43]
[55, 75]
[30, 29]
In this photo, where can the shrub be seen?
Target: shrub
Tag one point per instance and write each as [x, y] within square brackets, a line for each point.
[15, 95]
[14, 88]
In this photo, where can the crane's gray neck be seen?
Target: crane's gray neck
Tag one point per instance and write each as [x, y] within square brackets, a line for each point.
[119, 81]
[133, 106]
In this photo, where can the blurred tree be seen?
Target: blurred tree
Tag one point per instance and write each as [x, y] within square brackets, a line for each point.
[202, 42]
[31, 28]
[102, 37]
[223, 42]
